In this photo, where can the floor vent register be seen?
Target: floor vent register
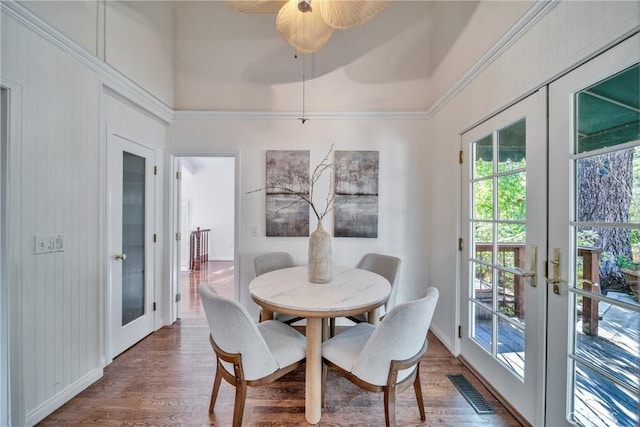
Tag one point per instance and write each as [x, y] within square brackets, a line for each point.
[472, 395]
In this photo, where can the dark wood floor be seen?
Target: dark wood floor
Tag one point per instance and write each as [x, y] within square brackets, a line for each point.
[166, 380]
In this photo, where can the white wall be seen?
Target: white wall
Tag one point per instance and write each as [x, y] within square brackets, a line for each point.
[77, 20]
[134, 37]
[57, 333]
[401, 210]
[210, 191]
[570, 32]
[60, 292]
[139, 44]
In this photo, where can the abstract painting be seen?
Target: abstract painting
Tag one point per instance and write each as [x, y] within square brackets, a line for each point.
[356, 202]
[287, 215]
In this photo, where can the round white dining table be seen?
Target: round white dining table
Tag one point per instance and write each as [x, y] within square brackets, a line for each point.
[351, 291]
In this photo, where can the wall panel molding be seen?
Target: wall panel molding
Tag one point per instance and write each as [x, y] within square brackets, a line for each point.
[110, 76]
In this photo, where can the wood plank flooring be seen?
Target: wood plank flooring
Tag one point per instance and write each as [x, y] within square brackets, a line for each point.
[166, 380]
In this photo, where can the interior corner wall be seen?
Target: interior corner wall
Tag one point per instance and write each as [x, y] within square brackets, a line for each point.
[401, 206]
[568, 34]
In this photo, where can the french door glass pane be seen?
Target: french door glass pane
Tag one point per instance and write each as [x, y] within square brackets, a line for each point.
[512, 147]
[599, 402]
[482, 331]
[511, 346]
[133, 234]
[607, 112]
[605, 351]
[498, 251]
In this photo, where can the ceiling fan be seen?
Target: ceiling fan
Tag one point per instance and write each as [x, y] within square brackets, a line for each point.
[308, 24]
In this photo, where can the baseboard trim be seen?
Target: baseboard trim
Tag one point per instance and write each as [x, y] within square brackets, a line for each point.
[444, 339]
[47, 408]
[495, 393]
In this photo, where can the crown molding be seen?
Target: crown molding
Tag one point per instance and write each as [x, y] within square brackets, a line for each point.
[534, 14]
[110, 77]
[256, 115]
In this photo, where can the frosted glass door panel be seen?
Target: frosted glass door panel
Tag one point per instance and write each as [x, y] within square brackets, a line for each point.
[133, 233]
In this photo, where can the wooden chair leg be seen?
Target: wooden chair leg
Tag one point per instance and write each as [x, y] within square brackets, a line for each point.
[390, 406]
[216, 389]
[418, 389]
[238, 407]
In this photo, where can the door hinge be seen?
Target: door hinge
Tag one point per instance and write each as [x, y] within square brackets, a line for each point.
[460, 244]
[155, 237]
[178, 175]
[178, 297]
[459, 331]
[460, 157]
[154, 306]
[178, 236]
[155, 170]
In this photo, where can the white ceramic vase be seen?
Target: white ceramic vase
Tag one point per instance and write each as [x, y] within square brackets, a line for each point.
[319, 256]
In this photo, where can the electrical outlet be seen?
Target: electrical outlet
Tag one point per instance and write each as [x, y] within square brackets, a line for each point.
[41, 245]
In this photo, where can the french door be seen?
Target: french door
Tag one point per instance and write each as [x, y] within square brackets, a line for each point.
[131, 250]
[593, 338]
[551, 270]
[504, 226]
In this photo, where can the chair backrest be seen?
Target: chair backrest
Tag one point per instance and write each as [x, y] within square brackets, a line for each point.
[233, 330]
[272, 261]
[388, 267]
[399, 336]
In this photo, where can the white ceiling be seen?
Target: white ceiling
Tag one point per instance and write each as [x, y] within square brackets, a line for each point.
[230, 61]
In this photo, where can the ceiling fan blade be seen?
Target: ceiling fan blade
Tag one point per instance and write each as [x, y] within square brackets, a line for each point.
[306, 32]
[349, 13]
[256, 6]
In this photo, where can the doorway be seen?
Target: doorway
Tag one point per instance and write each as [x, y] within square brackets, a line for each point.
[549, 308]
[206, 222]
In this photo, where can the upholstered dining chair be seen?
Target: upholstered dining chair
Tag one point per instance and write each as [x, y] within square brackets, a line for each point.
[386, 266]
[385, 358]
[275, 261]
[247, 353]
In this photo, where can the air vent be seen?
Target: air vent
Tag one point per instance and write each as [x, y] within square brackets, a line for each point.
[472, 395]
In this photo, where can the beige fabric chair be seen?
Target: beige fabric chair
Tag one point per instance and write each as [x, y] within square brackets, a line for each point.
[247, 354]
[386, 358]
[386, 266]
[270, 262]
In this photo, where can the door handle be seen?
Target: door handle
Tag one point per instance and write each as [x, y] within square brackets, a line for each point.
[555, 279]
[531, 273]
[119, 257]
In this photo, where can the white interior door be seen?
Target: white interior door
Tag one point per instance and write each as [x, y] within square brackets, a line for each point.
[593, 371]
[131, 248]
[503, 225]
